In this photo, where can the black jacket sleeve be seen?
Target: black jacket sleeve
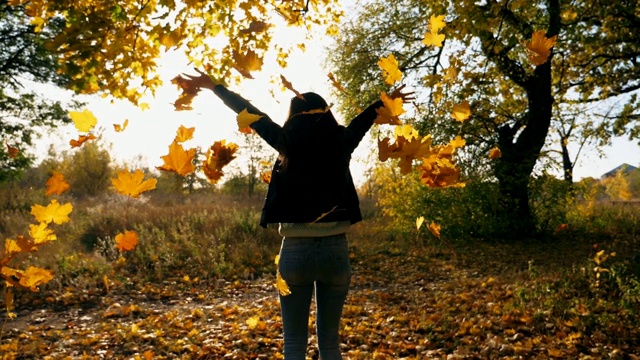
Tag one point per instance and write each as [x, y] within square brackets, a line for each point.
[359, 126]
[265, 127]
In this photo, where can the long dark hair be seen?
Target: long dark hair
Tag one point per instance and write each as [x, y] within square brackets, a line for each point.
[312, 148]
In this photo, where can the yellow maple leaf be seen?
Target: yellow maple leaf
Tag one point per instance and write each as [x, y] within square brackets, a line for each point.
[435, 229]
[35, 276]
[281, 285]
[539, 47]
[247, 62]
[390, 112]
[8, 302]
[458, 142]
[84, 121]
[495, 153]
[81, 140]
[431, 39]
[132, 184]
[462, 111]
[184, 134]
[436, 23]
[56, 184]
[390, 71]
[126, 241]
[120, 128]
[40, 233]
[20, 245]
[419, 221]
[245, 118]
[54, 212]
[178, 160]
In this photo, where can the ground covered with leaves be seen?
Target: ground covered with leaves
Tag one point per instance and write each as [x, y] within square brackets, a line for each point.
[408, 301]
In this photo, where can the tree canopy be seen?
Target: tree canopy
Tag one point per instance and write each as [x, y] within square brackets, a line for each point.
[590, 81]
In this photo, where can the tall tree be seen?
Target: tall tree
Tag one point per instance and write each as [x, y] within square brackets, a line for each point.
[515, 102]
[24, 115]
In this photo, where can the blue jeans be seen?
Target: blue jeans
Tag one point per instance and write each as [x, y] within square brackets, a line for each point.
[306, 263]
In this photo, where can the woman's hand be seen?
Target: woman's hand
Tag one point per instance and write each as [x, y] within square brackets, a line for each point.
[406, 97]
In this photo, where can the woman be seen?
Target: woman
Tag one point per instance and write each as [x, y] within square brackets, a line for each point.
[313, 199]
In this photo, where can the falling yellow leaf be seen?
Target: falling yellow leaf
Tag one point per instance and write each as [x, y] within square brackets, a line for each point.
[184, 134]
[281, 285]
[495, 153]
[458, 142]
[120, 128]
[178, 160]
[84, 121]
[54, 212]
[436, 23]
[245, 118]
[390, 71]
[126, 241]
[40, 233]
[35, 276]
[390, 112]
[20, 245]
[335, 83]
[56, 184]
[419, 222]
[539, 47]
[434, 229]
[132, 184]
[462, 111]
[432, 37]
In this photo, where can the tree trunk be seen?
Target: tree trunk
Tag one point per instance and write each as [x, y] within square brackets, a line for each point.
[520, 151]
[567, 164]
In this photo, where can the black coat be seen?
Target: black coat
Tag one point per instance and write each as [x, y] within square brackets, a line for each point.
[303, 203]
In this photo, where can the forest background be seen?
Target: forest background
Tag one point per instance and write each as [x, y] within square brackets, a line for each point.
[472, 193]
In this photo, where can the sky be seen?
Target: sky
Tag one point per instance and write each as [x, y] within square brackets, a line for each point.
[150, 132]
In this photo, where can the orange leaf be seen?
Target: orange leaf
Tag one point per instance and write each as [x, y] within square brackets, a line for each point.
[539, 47]
[178, 160]
[20, 245]
[389, 114]
[56, 184]
[120, 128]
[12, 151]
[434, 229]
[219, 155]
[265, 176]
[335, 83]
[289, 86]
[184, 134]
[256, 27]
[126, 241]
[81, 140]
[132, 184]
[495, 153]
